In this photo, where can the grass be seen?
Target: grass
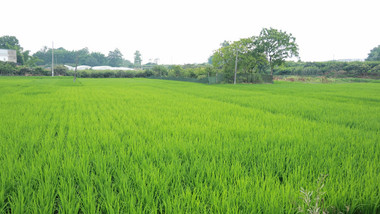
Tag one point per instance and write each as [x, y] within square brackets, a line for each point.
[156, 146]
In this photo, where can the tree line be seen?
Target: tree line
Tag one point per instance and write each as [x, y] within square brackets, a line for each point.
[62, 56]
[82, 56]
[263, 54]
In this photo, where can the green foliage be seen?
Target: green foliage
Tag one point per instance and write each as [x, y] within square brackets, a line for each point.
[61, 56]
[65, 57]
[159, 70]
[7, 68]
[97, 59]
[209, 60]
[9, 42]
[225, 43]
[374, 54]
[224, 57]
[110, 73]
[252, 55]
[249, 59]
[155, 146]
[23, 57]
[277, 46]
[330, 69]
[11, 69]
[175, 71]
[60, 70]
[115, 58]
[137, 59]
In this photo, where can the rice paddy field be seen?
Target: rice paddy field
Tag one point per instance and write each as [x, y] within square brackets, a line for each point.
[156, 146]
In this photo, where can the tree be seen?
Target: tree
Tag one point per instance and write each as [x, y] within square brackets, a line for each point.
[250, 58]
[115, 58]
[32, 61]
[11, 42]
[277, 46]
[235, 56]
[225, 43]
[127, 63]
[138, 59]
[209, 60]
[223, 57]
[374, 55]
[100, 58]
[43, 55]
[93, 59]
[83, 56]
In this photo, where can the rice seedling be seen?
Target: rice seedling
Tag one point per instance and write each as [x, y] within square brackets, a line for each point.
[156, 146]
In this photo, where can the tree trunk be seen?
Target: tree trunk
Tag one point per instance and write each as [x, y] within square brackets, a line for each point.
[271, 70]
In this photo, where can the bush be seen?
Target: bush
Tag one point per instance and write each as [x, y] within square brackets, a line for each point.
[356, 68]
[7, 68]
[22, 71]
[312, 70]
[375, 69]
[60, 70]
[333, 68]
[39, 71]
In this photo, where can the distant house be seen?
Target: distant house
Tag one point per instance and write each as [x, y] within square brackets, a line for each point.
[8, 55]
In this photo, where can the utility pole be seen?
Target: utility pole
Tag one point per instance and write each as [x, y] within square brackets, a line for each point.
[52, 59]
[76, 66]
[236, 60]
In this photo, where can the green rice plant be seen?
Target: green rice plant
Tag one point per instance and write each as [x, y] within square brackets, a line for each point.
[157, 146]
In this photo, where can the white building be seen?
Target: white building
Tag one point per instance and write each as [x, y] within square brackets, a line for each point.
[98, 68]
[102, 68]
[8, 55]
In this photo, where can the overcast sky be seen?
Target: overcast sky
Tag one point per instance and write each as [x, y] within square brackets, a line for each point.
[178, 31]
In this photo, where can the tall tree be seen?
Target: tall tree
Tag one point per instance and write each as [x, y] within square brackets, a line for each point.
[127, 63]
[225, 43]
[250, 58]
[11, 42]
[99, 57]
[7, 42]
[277, 45]
[374, 55]
[83, 56]
[225, 58]
[44, 55]
[138, 59]
[209, 60]
[115, 58]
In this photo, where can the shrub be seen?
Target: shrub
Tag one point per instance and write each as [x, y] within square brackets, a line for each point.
[22, 71]
[60, 70]
[7, 68]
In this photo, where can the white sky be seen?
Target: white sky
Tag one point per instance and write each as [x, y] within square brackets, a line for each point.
[188, 31]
